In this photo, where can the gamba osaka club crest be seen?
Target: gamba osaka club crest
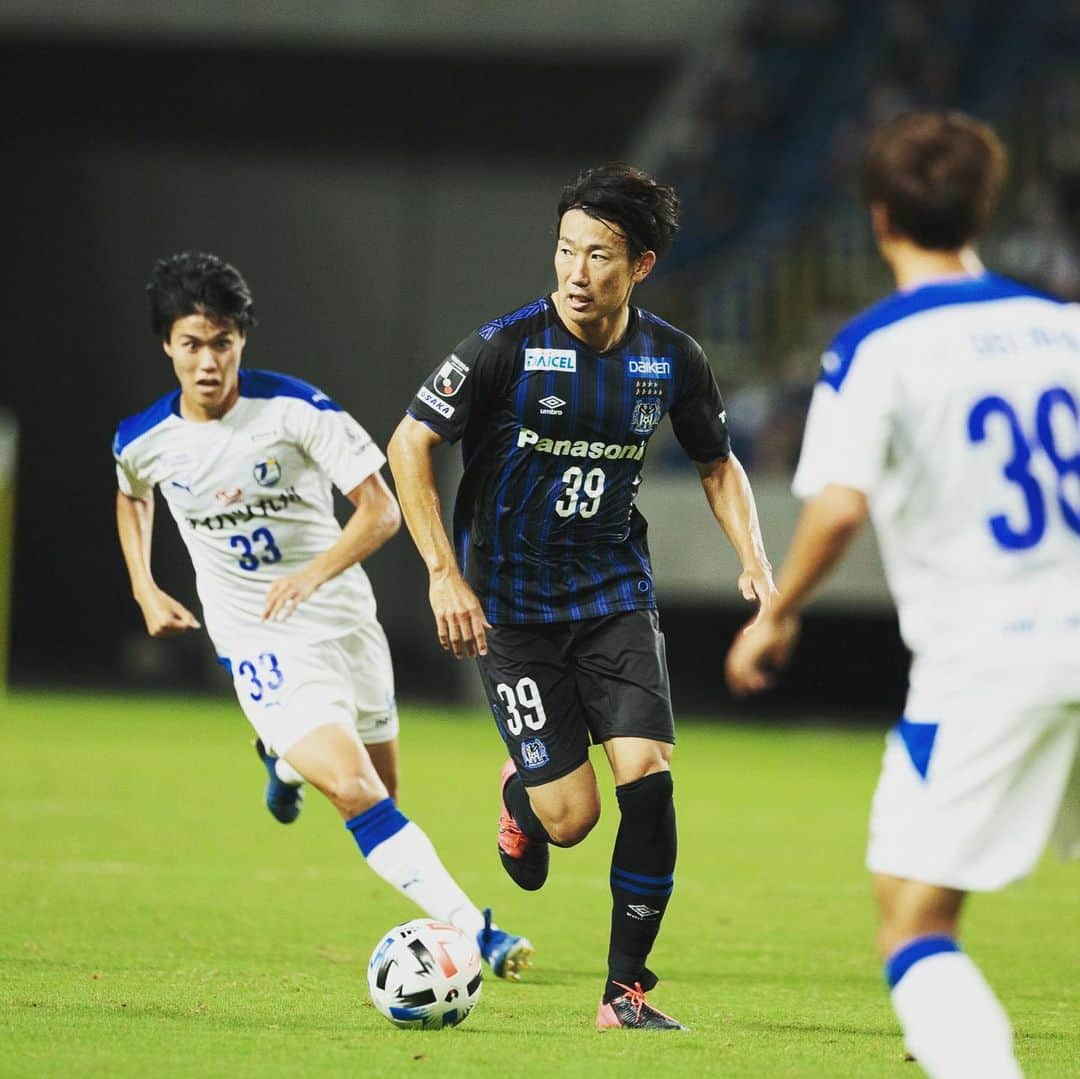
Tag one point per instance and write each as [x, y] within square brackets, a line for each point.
[267, 472]
[648, 412]
[534, 753]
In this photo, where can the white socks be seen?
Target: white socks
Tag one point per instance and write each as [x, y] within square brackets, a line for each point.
[403, 856]
[954, 1025]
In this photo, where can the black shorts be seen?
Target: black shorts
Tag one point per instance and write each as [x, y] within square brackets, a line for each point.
[555, 688]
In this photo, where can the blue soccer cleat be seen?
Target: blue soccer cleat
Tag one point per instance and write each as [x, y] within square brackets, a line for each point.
[284, 800]
[506, 954]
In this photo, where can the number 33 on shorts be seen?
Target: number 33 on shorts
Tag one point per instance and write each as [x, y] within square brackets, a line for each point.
[260, 677]
[524, 708]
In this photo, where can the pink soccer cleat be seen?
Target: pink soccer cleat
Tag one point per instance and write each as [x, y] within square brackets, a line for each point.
[633, 1011]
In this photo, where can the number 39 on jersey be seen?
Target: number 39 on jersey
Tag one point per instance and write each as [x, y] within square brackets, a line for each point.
[1053, 430]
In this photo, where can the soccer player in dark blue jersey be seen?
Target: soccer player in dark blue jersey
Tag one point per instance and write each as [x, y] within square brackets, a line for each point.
[548, 581]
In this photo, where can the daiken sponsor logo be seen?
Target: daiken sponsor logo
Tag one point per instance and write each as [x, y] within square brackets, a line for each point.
[565, 447]
[550, 359]
[648, 367]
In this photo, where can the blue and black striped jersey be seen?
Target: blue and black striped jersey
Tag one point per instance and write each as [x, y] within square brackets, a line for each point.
[554, 437]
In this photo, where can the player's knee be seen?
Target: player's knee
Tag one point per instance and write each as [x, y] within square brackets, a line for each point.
[908, 910]
[571, 826]
[351, 793]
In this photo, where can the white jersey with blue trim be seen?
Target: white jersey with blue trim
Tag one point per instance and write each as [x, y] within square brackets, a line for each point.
[251, 495]
[955, 407]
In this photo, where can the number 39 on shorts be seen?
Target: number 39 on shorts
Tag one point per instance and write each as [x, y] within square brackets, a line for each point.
[524, 708]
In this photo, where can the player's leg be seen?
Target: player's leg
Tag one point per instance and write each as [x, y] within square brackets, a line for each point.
[954, 1025]
[963, 804]
[567, 808]
[377, 725]
[334, 761]
[548, 792]
[384, 756]
[622, 677]
[284, 795]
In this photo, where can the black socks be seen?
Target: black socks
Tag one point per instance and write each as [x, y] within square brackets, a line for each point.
[642, 876]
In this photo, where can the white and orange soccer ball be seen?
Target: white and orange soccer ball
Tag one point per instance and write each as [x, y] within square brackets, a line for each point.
[425, 974]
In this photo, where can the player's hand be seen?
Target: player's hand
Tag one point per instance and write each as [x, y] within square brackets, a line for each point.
[756, 583]
[459, 618]
[287, 593]
[165, 616]
[763, 645]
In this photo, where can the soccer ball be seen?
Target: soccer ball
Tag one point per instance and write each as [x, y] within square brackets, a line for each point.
[425, 974]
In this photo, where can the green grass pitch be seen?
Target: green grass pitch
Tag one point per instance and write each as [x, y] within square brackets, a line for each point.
[156, 921]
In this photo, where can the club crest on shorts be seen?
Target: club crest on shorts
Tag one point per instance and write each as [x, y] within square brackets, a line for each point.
[267, 472]
[534, 754]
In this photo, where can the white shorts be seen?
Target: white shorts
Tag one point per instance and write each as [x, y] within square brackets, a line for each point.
[288, 688]
[976, 779]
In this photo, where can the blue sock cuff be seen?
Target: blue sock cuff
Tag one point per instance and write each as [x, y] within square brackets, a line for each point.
[376, 825]
[902, 960]
[640, 884]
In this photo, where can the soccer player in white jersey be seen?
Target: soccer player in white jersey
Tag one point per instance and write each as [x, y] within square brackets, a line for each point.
[948, 414]
[244, 460]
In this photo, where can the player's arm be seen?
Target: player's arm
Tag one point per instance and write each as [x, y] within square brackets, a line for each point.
[459, 618]
[375, 518]
[164, 616]
[825, 530]
[731, 500]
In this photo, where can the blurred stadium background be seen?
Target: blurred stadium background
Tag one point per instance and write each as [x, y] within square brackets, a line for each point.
[385, 175]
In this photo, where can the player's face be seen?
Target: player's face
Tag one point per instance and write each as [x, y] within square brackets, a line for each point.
[596, 276]
[206, 358]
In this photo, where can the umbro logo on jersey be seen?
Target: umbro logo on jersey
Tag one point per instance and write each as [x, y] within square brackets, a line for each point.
[648, 367]
[550, 359]
[552, 405]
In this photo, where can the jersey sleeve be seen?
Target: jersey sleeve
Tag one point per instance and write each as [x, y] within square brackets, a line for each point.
[459, 386]
[128, 477]
[848, 425]
[336, 443]
[698, 417]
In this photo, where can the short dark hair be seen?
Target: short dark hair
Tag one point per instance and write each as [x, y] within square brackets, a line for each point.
[193, 282]
[938, 175]
[647, 212]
